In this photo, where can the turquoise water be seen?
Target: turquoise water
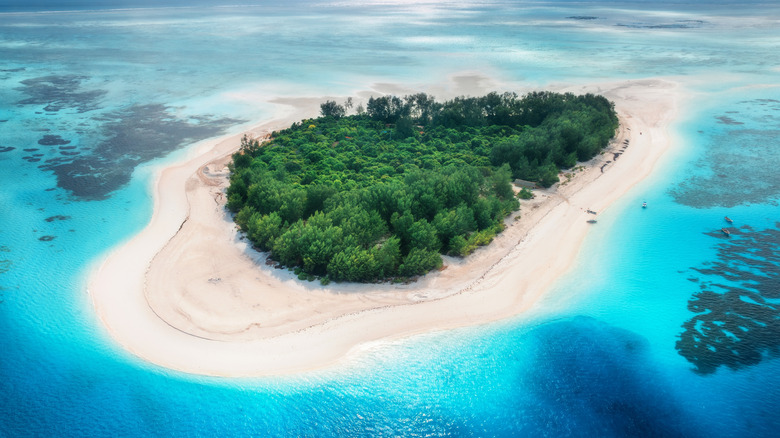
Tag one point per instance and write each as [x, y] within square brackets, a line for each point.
[100, 97]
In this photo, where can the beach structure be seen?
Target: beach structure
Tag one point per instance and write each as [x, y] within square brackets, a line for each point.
[525, 184]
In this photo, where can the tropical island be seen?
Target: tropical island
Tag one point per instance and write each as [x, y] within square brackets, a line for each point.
[190, 293]
[381, 194]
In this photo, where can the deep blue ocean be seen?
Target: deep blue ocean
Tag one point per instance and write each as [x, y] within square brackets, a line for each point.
[664, 327]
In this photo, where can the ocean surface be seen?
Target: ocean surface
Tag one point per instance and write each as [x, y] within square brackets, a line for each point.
[664, 326]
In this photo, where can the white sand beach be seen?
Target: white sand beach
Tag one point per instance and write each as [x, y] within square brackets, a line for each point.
[188, 293]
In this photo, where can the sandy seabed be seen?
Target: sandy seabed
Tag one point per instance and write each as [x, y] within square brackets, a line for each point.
[188, 293]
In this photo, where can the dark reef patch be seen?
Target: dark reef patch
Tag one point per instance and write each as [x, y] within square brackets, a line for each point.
[129, 137]
[31, 149]
[726, 120]
[588, 372]
[58, 217]
[737, 307]
[60, 92]
[47, 238]
[582, 17]
[126, 138]
[6, 148]
[52, 140]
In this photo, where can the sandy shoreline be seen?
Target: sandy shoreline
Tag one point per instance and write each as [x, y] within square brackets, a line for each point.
[186, 293]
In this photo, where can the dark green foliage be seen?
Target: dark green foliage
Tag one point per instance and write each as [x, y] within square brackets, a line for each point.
[525, 194]
[419, 261]
[379, 195]
[387, 109]
[332, 109]
[555, 131]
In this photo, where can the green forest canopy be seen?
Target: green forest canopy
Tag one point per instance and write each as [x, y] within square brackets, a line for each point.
[381, 194]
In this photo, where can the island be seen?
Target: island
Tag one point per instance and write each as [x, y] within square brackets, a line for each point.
[380, 194]
[189, 292]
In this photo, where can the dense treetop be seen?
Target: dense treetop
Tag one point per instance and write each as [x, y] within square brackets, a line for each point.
[381, 194]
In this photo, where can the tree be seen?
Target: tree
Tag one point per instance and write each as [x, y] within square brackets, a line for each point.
[388, 256]
[404, 128]
[456, 222]
[419, 261]
[264, 229]
[386, 108]
[316, 196]
[402, 224]
[422, 107]
[501, 180]
[422, 235]
[366, 226]
[525, 194]
[331, 109]
[548, 175]
[458, 246]
[354, 264]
